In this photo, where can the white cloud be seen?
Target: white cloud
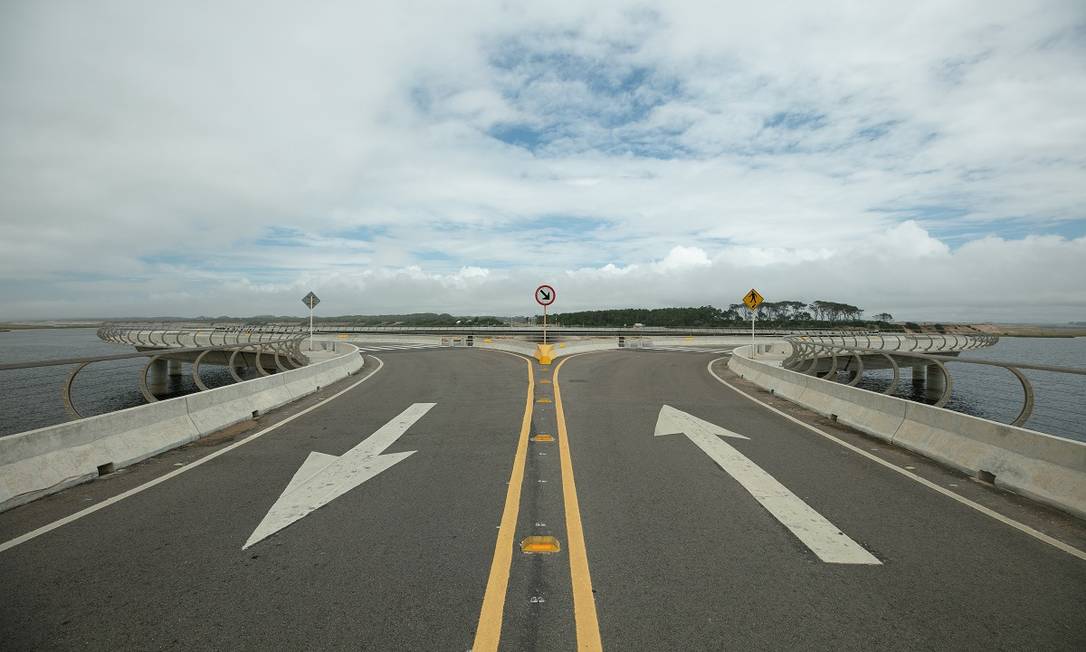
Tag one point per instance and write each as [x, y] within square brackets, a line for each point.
[681, 258]
[873, 152]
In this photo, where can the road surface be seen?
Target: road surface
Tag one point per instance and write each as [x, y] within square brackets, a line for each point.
[686, 516]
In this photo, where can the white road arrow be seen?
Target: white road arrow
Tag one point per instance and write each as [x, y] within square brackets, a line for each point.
[323, 478]
[830, 544]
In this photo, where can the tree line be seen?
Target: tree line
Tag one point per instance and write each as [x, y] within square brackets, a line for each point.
[792, 313]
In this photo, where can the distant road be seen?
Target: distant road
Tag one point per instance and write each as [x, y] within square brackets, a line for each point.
[394, 517]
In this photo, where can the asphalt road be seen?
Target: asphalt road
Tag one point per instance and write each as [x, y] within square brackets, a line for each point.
[659, 547]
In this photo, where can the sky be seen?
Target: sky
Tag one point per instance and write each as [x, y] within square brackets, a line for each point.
[926, 159]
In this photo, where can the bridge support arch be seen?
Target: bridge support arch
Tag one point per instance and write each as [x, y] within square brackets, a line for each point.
[934, 379]
[157, 382]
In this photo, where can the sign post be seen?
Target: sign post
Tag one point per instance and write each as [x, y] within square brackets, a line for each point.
[752, 300]
[545, 296]
[311, 301]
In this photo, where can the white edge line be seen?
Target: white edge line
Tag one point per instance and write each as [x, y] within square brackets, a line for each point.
[33, 534]
[1041, 536]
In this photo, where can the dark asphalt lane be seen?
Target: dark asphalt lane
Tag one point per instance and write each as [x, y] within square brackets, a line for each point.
[682, 557]
[398, 563]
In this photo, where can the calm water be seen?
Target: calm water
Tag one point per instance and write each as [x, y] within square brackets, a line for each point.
[994, 393]
[31, 398]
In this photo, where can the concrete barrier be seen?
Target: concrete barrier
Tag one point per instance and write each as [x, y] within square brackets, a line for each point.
[43, 461]
[224, 406]
[1045, 468]
[1048, 469]
[573, 347]
[522, 347]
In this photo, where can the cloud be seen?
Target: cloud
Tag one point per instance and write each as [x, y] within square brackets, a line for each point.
[681, 258]
[163, 158]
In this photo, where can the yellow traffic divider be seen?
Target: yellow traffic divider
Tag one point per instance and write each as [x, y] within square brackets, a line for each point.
[544, 353]
[543, 437]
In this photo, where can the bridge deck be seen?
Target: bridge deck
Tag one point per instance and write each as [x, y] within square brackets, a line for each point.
[678, 552]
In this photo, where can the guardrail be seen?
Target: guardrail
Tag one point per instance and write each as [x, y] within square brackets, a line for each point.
[898, 342]
[1043, 467]
[46, 460]
[165, 336]
[147, 331]
[278, 353]
[809, 352]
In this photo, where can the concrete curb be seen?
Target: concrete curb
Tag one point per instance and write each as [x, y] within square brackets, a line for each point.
[1048, 469]
[40, 462]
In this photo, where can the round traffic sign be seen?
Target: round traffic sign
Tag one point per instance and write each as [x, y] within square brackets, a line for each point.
[544, 295]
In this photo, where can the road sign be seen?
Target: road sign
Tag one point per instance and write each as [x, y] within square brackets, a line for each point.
[545, 295]
[753, 299]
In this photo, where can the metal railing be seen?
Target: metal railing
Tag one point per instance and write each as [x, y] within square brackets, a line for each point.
[165, 336]
[160, 331]
[281, 353]
[808, 354]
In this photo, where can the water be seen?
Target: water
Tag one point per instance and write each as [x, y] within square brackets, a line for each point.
[994, 393]
[31, 398]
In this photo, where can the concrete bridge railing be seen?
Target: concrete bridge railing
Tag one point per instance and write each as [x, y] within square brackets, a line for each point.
[1046, 468]
[824, 357]
[43, 461]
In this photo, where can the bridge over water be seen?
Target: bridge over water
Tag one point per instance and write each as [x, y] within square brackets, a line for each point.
[409, 491]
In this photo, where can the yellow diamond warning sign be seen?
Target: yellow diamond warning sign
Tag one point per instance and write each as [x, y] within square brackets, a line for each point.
[752, 300]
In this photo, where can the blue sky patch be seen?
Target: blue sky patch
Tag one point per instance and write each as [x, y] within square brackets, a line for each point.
[878, 130]
[795, 120]
[518, 135]
[280, 236]
[363, 232]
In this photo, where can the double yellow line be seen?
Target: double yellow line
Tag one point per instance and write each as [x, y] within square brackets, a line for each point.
[488, 632]
[584, 603]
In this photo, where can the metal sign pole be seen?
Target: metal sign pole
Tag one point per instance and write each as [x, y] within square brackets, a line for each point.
[753, 316]
[544, 324]
[311, 326]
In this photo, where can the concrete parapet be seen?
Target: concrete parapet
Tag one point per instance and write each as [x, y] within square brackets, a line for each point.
[1045, 468]
[572, 347]
[522, 347]
[224, 406]
[43, 461]
[1048, 469]
[703, 340]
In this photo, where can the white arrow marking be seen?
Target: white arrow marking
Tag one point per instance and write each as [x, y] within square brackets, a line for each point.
[323, 478]
[825, 540]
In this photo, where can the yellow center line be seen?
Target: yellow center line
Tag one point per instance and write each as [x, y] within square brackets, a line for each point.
[584, 603]
[488, 633]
